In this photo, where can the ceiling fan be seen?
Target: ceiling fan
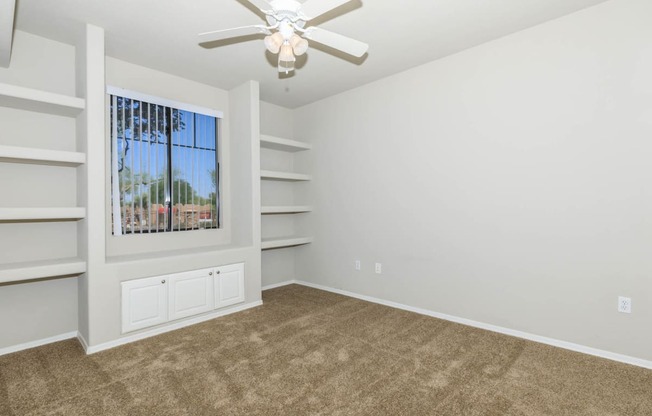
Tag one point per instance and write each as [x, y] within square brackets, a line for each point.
[286, 33]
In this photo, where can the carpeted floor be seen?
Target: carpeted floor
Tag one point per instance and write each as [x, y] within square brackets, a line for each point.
[309, 352]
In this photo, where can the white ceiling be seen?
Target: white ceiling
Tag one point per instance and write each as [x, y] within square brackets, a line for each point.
[162, 34]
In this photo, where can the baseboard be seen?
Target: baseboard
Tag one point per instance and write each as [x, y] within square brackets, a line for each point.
[38, 343]
[275, 285]
[82, 341]
[481, 325]
[166, 328]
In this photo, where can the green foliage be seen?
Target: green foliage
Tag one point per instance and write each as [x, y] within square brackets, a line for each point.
[144, 122]
[149, 122]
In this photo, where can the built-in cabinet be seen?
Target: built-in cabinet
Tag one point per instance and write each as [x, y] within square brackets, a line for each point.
[229, 285]
[37, 101]
[288, 146]
[191, 293]
[157, 300]
[144, 303]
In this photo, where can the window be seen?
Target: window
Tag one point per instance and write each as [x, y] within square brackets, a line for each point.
[164, 164]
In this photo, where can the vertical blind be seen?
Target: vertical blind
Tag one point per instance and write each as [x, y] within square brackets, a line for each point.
[164, 168]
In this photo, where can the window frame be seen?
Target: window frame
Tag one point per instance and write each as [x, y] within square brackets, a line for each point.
[138, 243]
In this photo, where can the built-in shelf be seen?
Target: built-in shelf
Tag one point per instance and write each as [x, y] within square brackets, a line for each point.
[28, 155]
[16, 272]
[291, 146]
[41, 214]
[284, 176]
[291, 209]
[270, 243]
[39, 101]
[285, 145]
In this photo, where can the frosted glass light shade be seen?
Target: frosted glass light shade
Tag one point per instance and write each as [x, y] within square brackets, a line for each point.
[286, 54]
[274, 42]
[285, 66]
[299, 45]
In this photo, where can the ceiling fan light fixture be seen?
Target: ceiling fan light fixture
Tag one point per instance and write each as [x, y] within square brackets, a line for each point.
[274, 42]
[285, 66]
[286, 55]
[286, 32]
[299, 45]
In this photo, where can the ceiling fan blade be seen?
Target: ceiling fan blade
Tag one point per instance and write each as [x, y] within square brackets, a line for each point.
[232, 33]
[314, 8]
[339, 42]
[263, 5]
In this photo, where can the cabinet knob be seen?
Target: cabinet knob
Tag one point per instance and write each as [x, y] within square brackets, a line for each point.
[210, 273]
[218, 272]
[163, 281]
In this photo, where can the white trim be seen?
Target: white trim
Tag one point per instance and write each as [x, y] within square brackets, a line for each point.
[639, 362]
[38, 343]
[167, 328]
[115, 174]
[275, 285]
[82, 341]
[151, 99]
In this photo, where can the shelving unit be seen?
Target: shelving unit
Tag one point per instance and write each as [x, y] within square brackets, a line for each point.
[12, 154]
[271, 243]
[29, 99]
[42, 214]
[285, 145]
[290, 209]
[37, 101]
[289, 146]
[284, 176]
[17, 272]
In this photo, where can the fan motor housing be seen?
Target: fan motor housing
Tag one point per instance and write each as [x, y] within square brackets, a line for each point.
[285, 10]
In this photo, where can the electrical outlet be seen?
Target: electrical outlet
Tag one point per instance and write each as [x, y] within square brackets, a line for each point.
[379, 268]
[358, 265]
[624, 304]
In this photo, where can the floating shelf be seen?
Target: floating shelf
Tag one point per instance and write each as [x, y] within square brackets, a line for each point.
[28, 155]
[270, 243]
[284, 176]
[39, 101]
[41, 214]
[294, 209]
[285, 145]
[16, 272]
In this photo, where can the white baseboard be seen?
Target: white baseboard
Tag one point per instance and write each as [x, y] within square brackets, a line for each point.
[275, 285]
[165, 328]
[481, 325]
[82, 341]
[38, 343]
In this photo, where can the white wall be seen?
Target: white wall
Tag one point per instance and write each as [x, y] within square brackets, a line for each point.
[508, 184]
[278, 265]
[188, 251]
[136, 78]
[40, 309]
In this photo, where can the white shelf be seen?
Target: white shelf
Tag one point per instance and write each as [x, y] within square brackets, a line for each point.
[284, 176]
[40, 156]
[293, 209]
[270, 243]
[39, 101]
[41, 214]
[16, 272]
[285, 145]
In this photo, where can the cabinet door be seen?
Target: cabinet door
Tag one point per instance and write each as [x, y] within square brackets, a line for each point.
[191, 293]
[144, 303]
[229, 285]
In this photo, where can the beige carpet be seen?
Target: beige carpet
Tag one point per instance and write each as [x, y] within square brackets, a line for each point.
[308, 352]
